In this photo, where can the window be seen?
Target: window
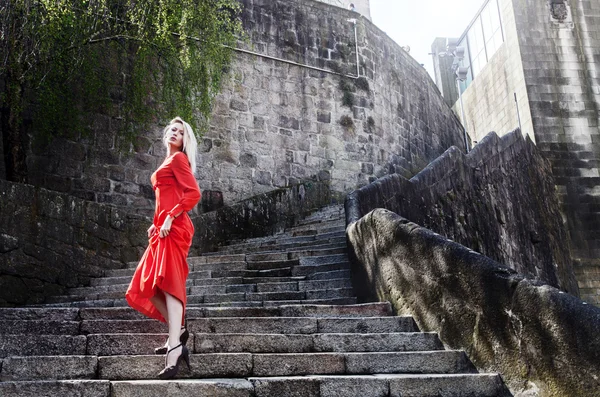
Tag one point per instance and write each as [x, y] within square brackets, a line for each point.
[482, 39]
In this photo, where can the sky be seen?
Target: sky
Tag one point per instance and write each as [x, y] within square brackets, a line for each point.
[418, 23]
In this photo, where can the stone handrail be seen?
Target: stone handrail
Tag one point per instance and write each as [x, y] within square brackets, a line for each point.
[537, 337]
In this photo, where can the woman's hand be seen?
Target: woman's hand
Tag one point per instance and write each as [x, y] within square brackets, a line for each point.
[151, 230]
[166, 227]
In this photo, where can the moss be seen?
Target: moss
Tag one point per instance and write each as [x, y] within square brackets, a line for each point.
[346, 122]
[362, 83]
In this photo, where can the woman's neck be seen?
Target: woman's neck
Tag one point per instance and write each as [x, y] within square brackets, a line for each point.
[171, 151]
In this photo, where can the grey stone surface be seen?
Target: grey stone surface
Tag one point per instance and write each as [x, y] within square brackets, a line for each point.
[453, 197]
[353, 387]
[48, 368]
[484, 385]
[298, 364]
[286, 386]
[233, 365]
[39, 327]
[75, 388]
[436, 362]
[125, 344]
[449, 289]
[183, 388]
[122, 326]
[290, 325]
[377, 342]
[252, 343]
[366, 325]
[39, 345]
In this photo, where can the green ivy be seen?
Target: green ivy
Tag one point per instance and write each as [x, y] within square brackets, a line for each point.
[137, 61]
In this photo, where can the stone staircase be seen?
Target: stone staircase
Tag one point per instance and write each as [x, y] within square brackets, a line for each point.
[272, 316]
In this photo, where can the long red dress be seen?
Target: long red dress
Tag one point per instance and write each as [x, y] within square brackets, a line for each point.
[164, 264]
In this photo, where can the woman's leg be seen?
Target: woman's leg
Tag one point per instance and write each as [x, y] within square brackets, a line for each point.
[175, 310]
[160, 304]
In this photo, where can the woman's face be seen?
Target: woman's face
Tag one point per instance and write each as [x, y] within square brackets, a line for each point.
[175, 136]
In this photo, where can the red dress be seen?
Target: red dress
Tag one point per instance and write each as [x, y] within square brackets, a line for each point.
[164, 264]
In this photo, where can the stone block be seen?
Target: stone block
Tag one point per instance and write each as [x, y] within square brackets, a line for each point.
[266, 325]
[183, 388]
[376, 342]
[297, 364]
[286, 386]
[48, 368]
[484, 385]
[42, 345]
[78, 388]
[353, 386]
[252, 343]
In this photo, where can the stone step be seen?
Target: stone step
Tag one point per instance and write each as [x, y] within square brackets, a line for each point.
[123, 303]
[234, 365]
[377, 309]
[389, 385]
[309, 231]
[46, 314]
[380, 385]
[39, 327]
[294, 250]
[300, 325]
[299, 343]
[310, 270]
[246, 364]
[329, 275]
[63, 388]
[278, 325]
[332, 237]
[35, 345]
[139, 344]
[123, 276]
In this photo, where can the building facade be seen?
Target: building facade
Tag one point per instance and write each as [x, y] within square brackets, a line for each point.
[535, 65]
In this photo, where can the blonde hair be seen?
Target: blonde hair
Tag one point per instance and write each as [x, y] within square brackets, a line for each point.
[190, 145]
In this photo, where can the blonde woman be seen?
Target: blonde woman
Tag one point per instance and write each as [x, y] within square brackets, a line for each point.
[158, 287]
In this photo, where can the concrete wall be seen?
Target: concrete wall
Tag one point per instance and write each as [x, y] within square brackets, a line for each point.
[277, 121]
[543, 342]
[560, 49]
[489, 102]
[498, 200]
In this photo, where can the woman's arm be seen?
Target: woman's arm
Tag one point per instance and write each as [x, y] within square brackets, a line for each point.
[185, 179]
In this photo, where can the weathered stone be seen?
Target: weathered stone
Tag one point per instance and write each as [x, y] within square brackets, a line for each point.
[79, 388]
[298, 364]
[252, 343]
[39, 345]
[291, 325]
[376, 342]
[48, 368]
[483, 385]
[286, 386]
[183, 388]
[353, 387]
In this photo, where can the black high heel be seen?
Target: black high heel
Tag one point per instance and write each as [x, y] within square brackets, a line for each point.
[171, 372]
[183, 338]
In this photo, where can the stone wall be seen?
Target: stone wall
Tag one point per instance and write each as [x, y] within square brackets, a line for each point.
[498, 200]
[560, 49]
[489, 101]
[544, 342]
[258, 216]
[282, 117]
[50, 241]
[361, 6]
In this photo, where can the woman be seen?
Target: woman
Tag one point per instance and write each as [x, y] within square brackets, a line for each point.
[158, 287]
